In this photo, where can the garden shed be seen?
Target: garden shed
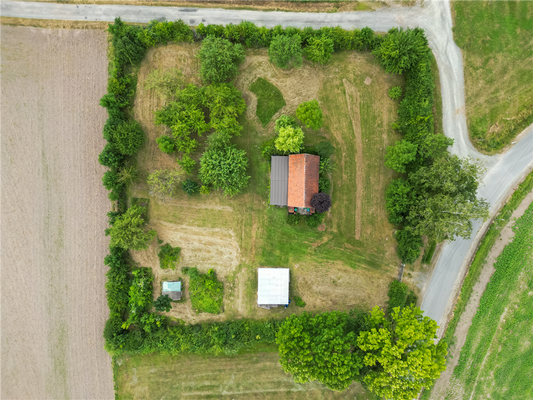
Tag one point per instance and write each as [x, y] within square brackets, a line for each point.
[172, 289]
[294, 181]
[272, 287]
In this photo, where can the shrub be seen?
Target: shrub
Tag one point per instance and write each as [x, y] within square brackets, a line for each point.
[219, 59]
[166, 144]
[324, 184]
[285, 51]
[140, 295]
[298, 301]
[310, 113]
[204, 190]
[127, 48]
[205, 290]
[400, 155]
[128, 137]
[321, 202]
[163, 303]
[319, 49]
[190, 187]
[225, 169]
[269, 99]
[163, 183]
[398, 200]
[397, 295]
[110, 157]
[187, 163]
[289, 140]
[293, 219]
[128, 230]
[408, 246]
[314, 220]
[111, 180]
[326, 166]
[325, 149]
[395, 93]
[168, 256]
[285, 121]
[127, 174]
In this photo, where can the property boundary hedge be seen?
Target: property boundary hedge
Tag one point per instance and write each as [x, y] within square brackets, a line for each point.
[130, 43]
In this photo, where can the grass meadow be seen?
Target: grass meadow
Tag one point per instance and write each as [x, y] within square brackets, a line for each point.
[497, 44]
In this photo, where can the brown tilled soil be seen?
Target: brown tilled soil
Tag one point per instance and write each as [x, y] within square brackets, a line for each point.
[53, 215]
[446, 385]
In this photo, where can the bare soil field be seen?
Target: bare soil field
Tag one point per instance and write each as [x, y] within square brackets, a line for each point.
[53, 215]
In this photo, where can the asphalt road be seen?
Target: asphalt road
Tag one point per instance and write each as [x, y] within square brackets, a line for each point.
[435, 18]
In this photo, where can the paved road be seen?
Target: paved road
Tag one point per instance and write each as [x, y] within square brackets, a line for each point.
[434, 17]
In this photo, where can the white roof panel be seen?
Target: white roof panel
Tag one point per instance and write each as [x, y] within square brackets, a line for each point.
[273, 286]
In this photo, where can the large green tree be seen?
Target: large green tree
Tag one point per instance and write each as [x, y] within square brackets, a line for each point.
[224, 168]
[128, 230]
[320, 347]
[219, 59]
[401, 49]
[399, 155]
[286, 51]
[401, 353]
[444, 201]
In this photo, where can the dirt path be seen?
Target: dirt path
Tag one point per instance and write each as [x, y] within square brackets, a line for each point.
[461, 332]
[53, 215]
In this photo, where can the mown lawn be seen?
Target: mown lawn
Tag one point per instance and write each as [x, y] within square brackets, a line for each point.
[497, 358]
[497, 43]
[245, 376]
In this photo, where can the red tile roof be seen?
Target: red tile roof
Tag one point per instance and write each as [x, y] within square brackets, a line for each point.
[303, 179]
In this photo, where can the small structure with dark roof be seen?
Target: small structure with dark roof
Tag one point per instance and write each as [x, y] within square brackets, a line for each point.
[172, 290]
[294, 181]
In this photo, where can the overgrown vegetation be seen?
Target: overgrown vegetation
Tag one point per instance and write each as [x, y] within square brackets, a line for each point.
[205, 291]
[495, 39]
[269, 100]
[128, 230]
[286, 51]
[168, 256]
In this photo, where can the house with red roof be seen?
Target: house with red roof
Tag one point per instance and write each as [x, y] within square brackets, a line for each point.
[294, 181]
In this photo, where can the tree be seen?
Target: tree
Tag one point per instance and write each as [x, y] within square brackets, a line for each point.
[190, 187]
[289, 140]
[310, 114]
[409, 245]
[401, 154]
[128, 137]
[321, 202]
[128, 230]
[224, 168]
[166, 144]
[187, 163]
[219, 59]
[398, 200]
[319, 49]
[163, 303]
[320, 347]
[111, 180]
[401, 49]
[286, 51]
[127, 174]
[444, 199]
[283, 122]
[164, 183]
[110, 156]
[401, 353]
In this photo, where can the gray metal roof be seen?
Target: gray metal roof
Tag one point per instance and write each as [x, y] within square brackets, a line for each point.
[273, 286]
[279, 180]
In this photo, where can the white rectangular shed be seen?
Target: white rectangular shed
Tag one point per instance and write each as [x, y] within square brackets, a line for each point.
[272, 287]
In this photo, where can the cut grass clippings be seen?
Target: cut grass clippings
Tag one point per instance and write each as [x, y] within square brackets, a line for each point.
[269, 99]
[474, 271]
[497, 44]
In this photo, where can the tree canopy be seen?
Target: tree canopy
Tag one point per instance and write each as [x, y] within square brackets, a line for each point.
[128, 137]
[219, 59]
[310, 113]
[401, 353]
[128, 230]
[320, 347]
[289, 140]
[319, 49]
[399, 155]
[286, 51]
[321, 202]
[224, 168]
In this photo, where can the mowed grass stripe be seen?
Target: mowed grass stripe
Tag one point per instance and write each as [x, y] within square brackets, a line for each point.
[246, 376]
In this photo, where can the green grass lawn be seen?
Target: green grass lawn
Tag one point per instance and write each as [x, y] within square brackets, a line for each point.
[497, 358]
[497, 43]
[254, 375]
[269, 99]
